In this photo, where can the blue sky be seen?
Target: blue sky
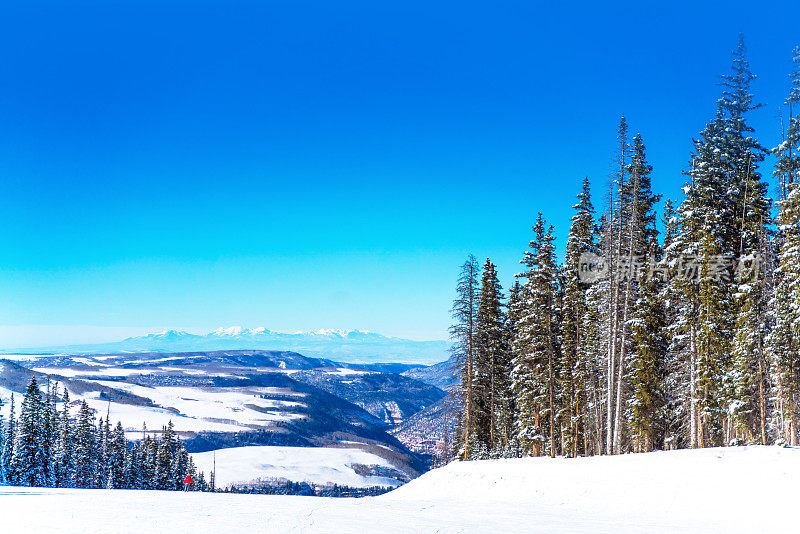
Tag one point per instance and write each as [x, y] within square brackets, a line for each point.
[304, 165]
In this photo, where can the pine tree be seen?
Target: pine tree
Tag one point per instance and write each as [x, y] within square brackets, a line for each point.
[740, 155]
[117, 450]
[2, 442]
[784, 340]
[492, 364]
[30, 460]
[464, 312]
[647, 362]
[704, 319]
[614, 230]
[86, 448]
[679, 322]
[50, 425]
[64, 464]
[637, 224]
[536, 347]
[577, 385]
[7, 458]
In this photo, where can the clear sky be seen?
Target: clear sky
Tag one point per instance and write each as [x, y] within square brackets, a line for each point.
[302, 165]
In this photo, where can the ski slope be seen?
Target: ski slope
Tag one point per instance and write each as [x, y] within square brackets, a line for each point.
[748, 489]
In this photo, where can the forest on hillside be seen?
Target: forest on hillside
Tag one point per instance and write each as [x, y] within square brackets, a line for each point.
[683, 334]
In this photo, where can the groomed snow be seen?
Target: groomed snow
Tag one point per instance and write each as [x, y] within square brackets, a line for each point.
[740, 490]
[298, 464]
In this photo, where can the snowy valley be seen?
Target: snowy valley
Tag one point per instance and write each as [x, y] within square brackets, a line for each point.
[270, 416]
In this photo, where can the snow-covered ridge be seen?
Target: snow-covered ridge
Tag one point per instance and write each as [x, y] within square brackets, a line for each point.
[343, 345]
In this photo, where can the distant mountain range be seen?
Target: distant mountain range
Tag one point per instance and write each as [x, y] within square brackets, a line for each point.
[341, 345]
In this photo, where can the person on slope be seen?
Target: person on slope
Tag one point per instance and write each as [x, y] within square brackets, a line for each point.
[187, 482]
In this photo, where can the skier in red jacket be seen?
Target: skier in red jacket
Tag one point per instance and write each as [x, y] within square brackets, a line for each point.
[187, 482]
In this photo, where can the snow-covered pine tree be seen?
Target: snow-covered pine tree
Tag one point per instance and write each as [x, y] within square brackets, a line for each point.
[149, 449]
[7, 456]
[64, 459]
[704, 319]
[86, 448]
[2, 441]
[464, 311]
[30, 460]
[679, 356]
[117, 450]
[638, 234]
[577, 385]
[749, 373]
[784, 306]
[202, 485]
[784, 340]
[50, 433]
[647, 361]
[613, 237]
[536, 347]
[740, 155]
[515, 312]
[492, 364]
[593, 350]
[599, 330]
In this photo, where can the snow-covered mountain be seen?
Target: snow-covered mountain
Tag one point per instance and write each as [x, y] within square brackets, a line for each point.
[340, 345]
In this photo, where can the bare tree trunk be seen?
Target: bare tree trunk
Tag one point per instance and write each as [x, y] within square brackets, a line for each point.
[761, 400]
[550, 382]
[446, 452]
[468, 407]
[612, 307]
[632, 237]
[491, 407]
[470, 370]
[692, 386]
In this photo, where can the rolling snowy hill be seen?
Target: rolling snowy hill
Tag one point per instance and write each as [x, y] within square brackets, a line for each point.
[248, 398]
[730, 490]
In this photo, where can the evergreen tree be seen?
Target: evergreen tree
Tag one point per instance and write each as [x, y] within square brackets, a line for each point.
[464, 312]
[536, 347]
[117, 451]
[86, 449]
[638, 233]
[2, 442]
[679, 357]
[7, 458]
[705, 316]
[50, 433]
[647, 363]
[741, 154]
[64, 464]
[784, 340]
[492, 364]
[577, 385]
[30, 460]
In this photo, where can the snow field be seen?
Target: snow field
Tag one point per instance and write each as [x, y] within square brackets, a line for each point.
[319, 465]
[731, 490]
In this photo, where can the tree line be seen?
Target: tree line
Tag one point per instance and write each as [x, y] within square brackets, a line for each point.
[48, 447]
[682, 334]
